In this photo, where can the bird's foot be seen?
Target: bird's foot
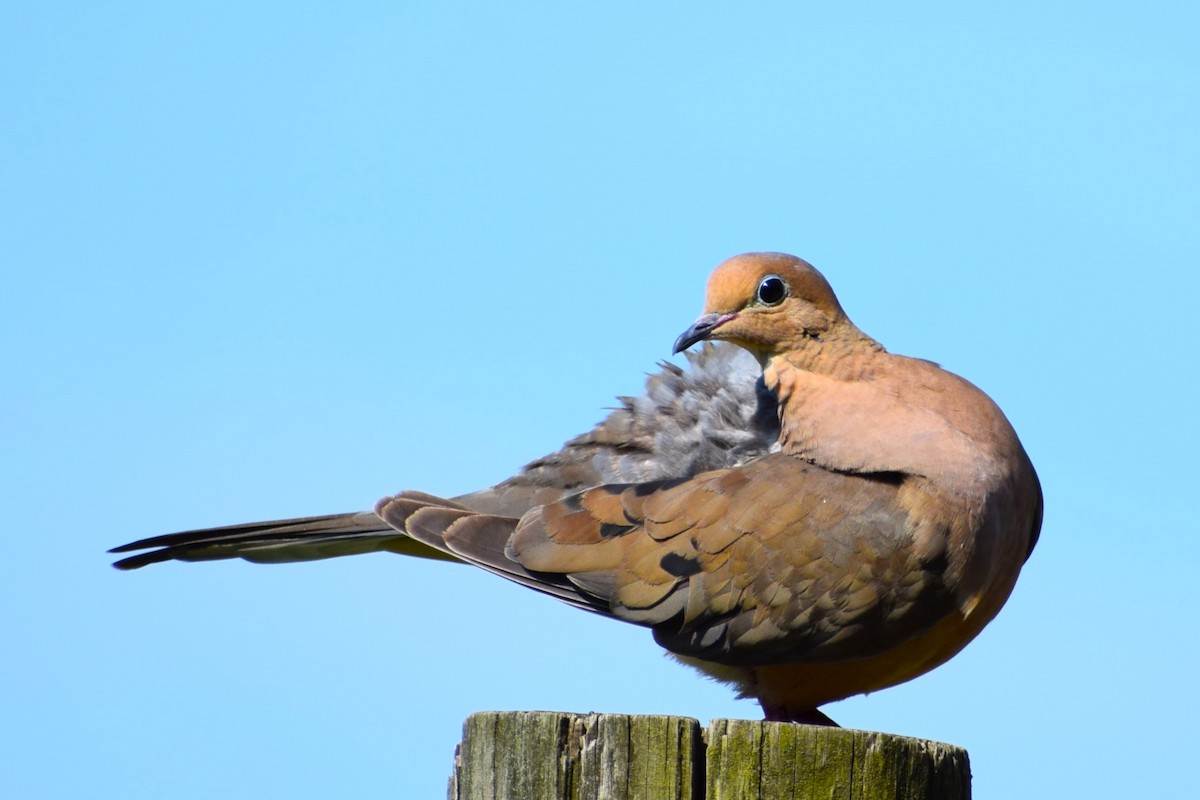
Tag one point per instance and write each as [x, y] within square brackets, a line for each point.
[779, 712]
[810, 716]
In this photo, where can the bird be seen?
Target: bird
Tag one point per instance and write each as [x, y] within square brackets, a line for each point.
[799, 513]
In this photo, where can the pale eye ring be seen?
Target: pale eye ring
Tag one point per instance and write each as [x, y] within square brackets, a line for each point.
[771, 291]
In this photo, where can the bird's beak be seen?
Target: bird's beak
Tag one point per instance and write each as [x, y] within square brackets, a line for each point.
[700, 330]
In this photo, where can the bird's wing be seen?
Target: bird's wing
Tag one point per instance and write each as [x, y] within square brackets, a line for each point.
[776, 560]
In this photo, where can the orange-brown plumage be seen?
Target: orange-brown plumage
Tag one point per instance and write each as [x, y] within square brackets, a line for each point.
[847, 523]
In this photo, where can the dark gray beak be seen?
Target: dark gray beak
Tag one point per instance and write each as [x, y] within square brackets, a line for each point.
[700, 330]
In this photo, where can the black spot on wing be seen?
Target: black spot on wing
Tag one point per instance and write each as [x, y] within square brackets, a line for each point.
[608, 530]
[680, 566]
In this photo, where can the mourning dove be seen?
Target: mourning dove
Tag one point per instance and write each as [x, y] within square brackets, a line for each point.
[831, 520]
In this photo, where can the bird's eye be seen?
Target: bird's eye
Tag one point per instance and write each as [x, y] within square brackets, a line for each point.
[771, 291]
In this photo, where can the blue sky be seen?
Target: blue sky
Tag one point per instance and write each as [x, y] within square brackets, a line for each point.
[285, 259]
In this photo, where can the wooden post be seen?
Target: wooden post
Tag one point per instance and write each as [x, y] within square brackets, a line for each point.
[761, 760]
[541, 755]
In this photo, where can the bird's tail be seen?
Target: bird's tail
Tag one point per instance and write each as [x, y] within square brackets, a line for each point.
[280, 541]
[409, 523]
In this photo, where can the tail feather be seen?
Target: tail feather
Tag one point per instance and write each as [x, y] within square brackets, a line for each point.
[279, 541]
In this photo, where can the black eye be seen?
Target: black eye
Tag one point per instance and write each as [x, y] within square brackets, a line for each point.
[772, 290]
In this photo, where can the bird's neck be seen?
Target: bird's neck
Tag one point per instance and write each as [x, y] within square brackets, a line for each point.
[843, 356]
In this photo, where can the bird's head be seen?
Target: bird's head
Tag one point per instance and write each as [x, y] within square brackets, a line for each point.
[769, 304]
